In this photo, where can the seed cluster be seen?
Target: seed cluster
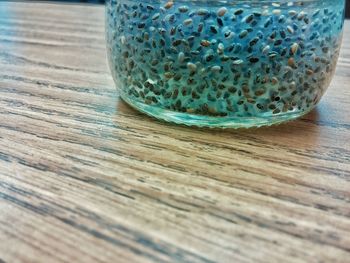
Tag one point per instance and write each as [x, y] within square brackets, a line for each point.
[242, 59]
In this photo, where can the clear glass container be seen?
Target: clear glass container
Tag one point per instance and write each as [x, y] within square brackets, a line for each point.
[223, 63]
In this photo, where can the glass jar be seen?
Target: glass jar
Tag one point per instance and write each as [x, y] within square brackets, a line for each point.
[231, 63]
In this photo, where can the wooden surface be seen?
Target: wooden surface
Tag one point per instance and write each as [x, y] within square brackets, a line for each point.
[85, 178]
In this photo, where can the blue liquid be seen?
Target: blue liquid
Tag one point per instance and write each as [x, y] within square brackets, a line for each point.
[239, 64]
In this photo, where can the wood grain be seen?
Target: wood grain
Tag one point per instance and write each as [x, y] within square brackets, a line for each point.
[85, 178]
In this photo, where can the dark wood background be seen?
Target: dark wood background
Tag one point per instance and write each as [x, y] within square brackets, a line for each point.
[102, 1]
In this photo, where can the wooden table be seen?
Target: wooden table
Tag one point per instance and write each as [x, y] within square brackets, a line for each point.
[85, 178]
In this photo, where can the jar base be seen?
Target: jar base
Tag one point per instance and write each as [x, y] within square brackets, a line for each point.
[213, 122]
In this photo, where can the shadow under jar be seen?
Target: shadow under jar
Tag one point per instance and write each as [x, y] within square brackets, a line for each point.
[223, 63]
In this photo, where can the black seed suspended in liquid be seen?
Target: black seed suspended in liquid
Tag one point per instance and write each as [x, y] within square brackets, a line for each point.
[209, 57]
[220, 22]
[253, 60]
[243, 34]
[202, 12]
[177, 42]
[200, 27]
[268, 22]
[283, 34]
[278, 42]
[141, 25]
[249, 18]
[253, 41]
[213, 29]
[183, 9]
[238, 12]
[273, 35]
